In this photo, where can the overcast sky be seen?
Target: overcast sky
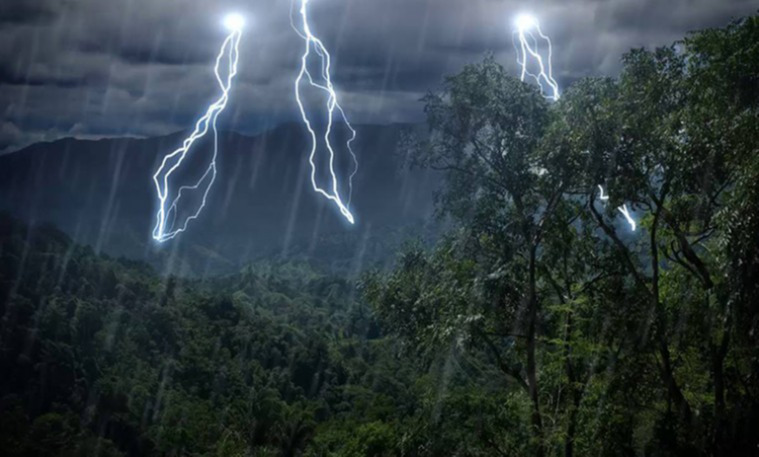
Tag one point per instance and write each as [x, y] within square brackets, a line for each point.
[92, 68]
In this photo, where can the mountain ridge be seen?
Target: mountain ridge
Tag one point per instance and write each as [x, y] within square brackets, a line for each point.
[100, 192]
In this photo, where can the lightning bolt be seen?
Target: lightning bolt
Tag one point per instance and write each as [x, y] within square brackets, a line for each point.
[622, 209]
[625, 212]
[527, 46]
[166, 227]
[313, 44]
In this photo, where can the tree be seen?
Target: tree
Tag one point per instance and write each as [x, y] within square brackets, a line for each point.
[675, 139]
[483, 284]
[539, 268]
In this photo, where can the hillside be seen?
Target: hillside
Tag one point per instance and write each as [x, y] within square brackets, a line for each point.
[103, 357]
[101, 193]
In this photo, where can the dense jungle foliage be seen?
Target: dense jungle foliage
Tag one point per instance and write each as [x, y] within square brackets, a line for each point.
[541, 325]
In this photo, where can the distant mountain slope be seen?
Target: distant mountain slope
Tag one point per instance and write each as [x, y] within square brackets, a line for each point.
[104, 358]
[101, 193]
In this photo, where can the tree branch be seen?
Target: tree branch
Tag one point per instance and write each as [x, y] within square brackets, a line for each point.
[620, 245]
[505, 368]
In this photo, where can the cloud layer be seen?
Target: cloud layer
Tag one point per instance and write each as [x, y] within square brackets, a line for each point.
[93, 68]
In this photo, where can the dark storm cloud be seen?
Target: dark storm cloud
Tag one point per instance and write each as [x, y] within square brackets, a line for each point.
[11, 78]
[673, 16]
[25, 11]
[143, 67]
[159, 52]
[10, 134]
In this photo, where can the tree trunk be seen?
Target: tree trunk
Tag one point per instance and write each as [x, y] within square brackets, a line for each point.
[675, 394]
[569, 443]
[572, 389]
[718, 372]
[532, 379]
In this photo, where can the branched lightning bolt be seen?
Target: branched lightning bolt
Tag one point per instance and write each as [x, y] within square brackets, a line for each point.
[311, 42]
[166, 227]
[528, 48]
[623, 209]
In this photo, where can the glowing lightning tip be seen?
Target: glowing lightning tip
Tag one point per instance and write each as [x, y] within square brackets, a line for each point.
[234, 22]
[525, 21]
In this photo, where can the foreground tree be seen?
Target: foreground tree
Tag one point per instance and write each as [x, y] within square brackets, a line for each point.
[510, 273]
[482, 287]
[675, 138]
[540, 267]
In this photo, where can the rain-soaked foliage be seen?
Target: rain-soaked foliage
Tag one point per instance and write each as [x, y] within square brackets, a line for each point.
[540, 324]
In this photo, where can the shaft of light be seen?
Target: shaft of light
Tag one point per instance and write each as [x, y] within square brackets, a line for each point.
[528, 49]
[622, 209]
[625, 212]
[332, 106]
[166, 227]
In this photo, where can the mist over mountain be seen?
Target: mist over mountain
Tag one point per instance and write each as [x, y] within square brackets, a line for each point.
[261, 206]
